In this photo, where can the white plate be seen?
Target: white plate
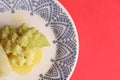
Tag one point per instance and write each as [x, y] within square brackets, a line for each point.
[51, 18]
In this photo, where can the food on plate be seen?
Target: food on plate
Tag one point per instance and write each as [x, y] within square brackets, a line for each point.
[21, 45]
[27, 68]
[5, 67]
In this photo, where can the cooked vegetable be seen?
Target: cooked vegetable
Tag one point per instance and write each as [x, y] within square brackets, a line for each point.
[20, 43]
[5, 67]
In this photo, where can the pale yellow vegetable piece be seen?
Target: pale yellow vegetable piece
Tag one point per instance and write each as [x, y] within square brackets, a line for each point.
[5, 67]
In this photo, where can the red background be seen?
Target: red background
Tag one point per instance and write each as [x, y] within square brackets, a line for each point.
[98, 25]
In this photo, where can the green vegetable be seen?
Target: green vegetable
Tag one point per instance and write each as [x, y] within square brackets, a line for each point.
[22, 41]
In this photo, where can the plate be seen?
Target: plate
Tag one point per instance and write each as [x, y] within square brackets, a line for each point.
[52, 19]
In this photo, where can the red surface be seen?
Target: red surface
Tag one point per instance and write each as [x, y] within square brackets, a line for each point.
[98, 25]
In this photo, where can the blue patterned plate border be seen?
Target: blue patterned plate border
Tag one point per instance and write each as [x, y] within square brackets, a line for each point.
[75, 38]
[64, 30]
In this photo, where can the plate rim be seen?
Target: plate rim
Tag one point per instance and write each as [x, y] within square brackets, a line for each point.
[77, 38]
